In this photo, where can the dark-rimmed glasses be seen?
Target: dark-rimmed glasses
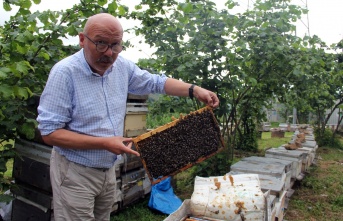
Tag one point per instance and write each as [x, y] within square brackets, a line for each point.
[102, 47]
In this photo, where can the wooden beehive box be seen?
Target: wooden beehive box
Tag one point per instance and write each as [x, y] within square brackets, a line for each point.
[180, 144]
[135, 118]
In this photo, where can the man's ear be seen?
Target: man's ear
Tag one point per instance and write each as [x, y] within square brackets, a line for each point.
[81, 39]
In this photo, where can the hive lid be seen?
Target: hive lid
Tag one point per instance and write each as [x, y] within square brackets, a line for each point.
[180, 144]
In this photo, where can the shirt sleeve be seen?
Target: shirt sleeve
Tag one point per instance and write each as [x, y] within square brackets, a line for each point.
[55, 106]
[143, 82]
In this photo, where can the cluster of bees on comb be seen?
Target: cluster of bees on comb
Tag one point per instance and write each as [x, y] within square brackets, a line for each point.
[193, 137]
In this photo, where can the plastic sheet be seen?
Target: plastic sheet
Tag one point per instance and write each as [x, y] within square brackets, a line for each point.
[162, 197]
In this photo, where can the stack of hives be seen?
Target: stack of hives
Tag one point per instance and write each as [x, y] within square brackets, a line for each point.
[32, 190]
[134, 183]
[281, 167]
[276, 171]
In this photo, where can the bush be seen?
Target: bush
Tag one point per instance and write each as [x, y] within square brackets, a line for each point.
[327, 138]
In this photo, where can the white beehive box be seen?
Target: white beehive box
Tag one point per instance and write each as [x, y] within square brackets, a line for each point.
[295, 156]
[286, 164]
[229, 197]
[305, 155]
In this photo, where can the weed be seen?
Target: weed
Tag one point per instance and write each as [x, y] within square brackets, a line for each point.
[320, 195]
[139, 211]
[338, 201]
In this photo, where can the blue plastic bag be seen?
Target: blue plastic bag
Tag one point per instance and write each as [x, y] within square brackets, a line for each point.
[162, 197]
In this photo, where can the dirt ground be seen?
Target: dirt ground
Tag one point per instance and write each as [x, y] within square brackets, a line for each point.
[319, 197]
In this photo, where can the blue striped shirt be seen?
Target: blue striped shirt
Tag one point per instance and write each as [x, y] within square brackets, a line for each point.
[79, 100]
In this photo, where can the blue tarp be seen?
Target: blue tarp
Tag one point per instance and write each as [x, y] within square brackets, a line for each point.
[162, 197]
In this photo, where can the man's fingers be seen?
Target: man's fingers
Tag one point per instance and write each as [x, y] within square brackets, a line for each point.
[128, 149]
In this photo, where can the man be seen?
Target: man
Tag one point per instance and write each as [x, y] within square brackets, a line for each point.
[81, 114]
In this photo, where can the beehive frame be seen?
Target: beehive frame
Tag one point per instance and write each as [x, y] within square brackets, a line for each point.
[156, 136]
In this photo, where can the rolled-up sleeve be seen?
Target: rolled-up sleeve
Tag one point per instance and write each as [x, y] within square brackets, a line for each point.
[54, 110]
[143, 82]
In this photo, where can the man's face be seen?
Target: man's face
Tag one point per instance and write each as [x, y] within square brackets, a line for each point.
[100, 60]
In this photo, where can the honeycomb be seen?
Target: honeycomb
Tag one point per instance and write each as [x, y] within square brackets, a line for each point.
[180, 144]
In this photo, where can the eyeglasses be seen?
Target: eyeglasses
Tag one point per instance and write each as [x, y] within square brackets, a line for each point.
[102, 47]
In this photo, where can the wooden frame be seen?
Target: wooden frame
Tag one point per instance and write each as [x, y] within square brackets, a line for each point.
[174, 123]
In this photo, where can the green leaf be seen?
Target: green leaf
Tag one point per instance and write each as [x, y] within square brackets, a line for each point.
[2, 74]
[26, 4]
[22, 67]
[44, 18]
[112, 7]
[296, 72]
[28, 129]
[22, 93]
[280, 47]
[21, 50]
[138, 7]
[187, 7]
[37, 2]
[230, 5]
[2, 116]
[253, 81]
[6, 91]
[4, 71]
[265, 24]
[122, 10]
[3, 167]
[72, 30]
[102, 2]
[6, 6]
[45, 55]
[25, 11]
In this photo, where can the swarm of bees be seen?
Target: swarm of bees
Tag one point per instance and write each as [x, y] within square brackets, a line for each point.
[180, 144]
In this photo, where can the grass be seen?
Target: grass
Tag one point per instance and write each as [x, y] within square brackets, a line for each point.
[139, 211]
[320, 195]
[267, 142]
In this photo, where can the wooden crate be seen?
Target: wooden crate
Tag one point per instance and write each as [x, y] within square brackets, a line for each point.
[118, 196]
[135, 119]
[131, 162]
[25, 191]
[295, 156]
[178, 145]
[30, 171]
[270, 183]
[272, 176]
[134, 122]
[305, 155]
[277, 133]
[280, 207]
[132, 178]
[133, 98]
[286, 163]
[28, 211]
[132, 186]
